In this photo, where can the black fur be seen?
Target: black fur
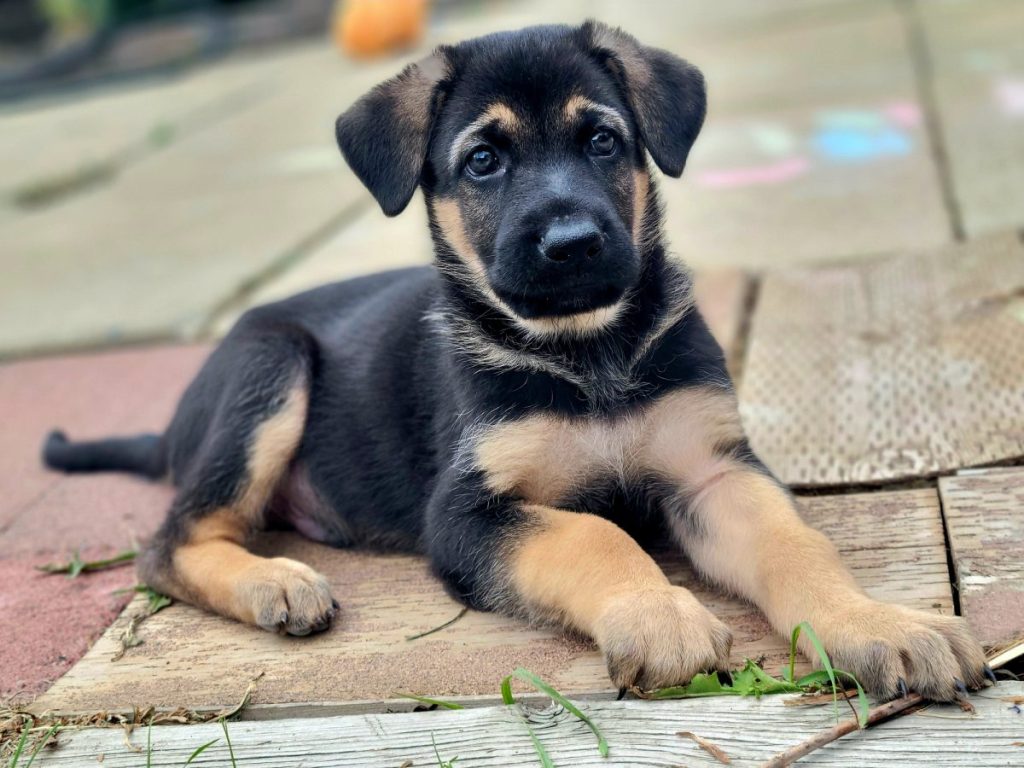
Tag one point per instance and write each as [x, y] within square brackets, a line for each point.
[391, 361]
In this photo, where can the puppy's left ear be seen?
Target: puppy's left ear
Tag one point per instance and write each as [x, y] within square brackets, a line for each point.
[666, 93]
[384, 135]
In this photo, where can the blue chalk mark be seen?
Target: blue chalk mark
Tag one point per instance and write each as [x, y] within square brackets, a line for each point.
[853, 145]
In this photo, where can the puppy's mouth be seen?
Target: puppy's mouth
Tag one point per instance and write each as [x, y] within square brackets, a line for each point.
[537, 305]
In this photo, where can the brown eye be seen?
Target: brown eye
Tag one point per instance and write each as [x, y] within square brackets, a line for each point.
[482, 162]
[603, 143]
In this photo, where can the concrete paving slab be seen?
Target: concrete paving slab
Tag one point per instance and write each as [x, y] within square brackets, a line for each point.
[52, 140]
[151, 254]
[977, 57]
[807, 185]
[812, 151]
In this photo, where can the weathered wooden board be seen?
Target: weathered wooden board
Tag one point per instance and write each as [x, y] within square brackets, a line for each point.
[897, 368]
[893, 541]
[977, 58]
[639, 733]
[984, 515]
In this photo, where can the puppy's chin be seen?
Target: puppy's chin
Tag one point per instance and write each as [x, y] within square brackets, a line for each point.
[554, 304]
[577, 313]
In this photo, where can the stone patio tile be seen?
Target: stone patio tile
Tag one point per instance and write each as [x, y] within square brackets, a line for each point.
[977, 52]
[45, 516]
[151, 254]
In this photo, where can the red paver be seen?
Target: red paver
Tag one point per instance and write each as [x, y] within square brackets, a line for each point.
[49, 621]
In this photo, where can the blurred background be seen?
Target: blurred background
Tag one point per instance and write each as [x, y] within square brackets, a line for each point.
[168, 163]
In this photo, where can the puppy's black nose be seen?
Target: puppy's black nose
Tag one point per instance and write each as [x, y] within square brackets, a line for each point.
[571, 240]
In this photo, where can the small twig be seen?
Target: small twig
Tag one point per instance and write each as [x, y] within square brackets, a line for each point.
[712, 749]
[227, 714]
[76, 565]
[447, 624]
[875, 715]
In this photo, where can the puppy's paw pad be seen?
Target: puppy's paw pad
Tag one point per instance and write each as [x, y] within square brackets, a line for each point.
[287, 596]
[657, 638]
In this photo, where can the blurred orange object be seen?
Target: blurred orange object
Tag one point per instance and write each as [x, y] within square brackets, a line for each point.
[372, 27]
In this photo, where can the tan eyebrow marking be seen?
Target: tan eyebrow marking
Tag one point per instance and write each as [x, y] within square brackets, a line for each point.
[576, 104]
[497, 113]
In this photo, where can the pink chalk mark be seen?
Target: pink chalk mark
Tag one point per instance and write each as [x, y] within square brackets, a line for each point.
[1010, 96]
[905, 114]
[774, 173]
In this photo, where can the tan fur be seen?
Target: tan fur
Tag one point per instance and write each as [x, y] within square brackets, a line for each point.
[577, 103]
[749, 536]
[588, 573]
[413, 103]
[214, 569]
[641, 191]
[544, 458]
[628, 51]
[579, 324]
[497, 113]
[449, 218]
[270, 451]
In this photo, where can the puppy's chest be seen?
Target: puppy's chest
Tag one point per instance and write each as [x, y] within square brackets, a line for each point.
[547, 459]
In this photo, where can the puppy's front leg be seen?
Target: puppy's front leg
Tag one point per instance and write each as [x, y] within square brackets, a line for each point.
[583, 571]
[742, 529]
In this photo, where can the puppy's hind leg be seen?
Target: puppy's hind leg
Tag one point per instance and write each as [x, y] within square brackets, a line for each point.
[238, 429]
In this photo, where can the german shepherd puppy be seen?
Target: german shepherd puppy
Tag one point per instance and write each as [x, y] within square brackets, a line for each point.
[526, 408]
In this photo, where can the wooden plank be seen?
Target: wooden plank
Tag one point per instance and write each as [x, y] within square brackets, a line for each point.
[898, 368]
[977, 57]
[639, 733]
[892, 541]
[984, 515]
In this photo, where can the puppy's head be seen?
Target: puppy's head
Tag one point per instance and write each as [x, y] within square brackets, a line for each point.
[530, 147]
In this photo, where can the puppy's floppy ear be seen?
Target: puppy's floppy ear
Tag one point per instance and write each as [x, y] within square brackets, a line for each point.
[666, 93]
[384, 135]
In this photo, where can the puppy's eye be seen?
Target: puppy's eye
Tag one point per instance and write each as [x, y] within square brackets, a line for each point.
[482, 161]
[603, 143]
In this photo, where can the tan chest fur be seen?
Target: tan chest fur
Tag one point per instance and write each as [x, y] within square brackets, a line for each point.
[545, 458]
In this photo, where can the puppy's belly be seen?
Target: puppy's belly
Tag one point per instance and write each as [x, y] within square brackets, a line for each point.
[297, 504]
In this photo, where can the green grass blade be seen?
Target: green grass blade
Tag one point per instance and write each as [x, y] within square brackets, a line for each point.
[528, 676]
[805, 627]
[432, 702]
[227, 738]
[200, 750]
[862, 699]
[149, 744]
[49, 735]
[18, 750]
[538, 745]
[441, 763]
[506, 691]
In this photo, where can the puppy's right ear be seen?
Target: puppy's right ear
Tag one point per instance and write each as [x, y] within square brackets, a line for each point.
[384, 135]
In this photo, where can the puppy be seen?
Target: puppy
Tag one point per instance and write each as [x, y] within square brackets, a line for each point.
[525, 409]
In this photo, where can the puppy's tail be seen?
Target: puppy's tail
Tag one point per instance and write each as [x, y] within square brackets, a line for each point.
[141, 455]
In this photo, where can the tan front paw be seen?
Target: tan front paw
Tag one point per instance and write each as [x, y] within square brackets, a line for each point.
[284, 595]
[660, 637]
[890, 649]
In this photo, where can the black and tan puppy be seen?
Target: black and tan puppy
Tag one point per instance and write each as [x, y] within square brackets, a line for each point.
[523, 410]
